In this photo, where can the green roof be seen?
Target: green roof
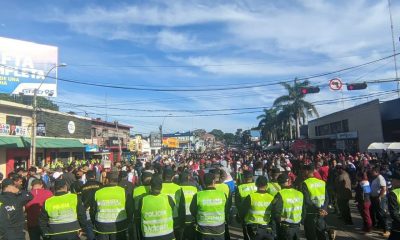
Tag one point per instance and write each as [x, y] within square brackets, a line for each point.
[41, 142]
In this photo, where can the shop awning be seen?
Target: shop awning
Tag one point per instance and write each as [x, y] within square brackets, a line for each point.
[41, 142]
[14, 142]
[58, 143]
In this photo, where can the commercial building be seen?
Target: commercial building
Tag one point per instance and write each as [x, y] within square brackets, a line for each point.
[353, 129]
[60, 136]
[178, 140]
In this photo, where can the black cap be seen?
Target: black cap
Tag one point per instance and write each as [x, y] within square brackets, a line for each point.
[308, 167]
[59, 183]
[7, 182]
[208, 179]
[168, 173]
[282, 179]
[247, 174]
[261, 181]
[156, 182]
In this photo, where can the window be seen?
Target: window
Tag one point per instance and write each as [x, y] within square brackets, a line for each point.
[336, 127]
[16, 121]
[345, 125]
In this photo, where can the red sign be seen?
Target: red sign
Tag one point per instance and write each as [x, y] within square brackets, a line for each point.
[335, 84]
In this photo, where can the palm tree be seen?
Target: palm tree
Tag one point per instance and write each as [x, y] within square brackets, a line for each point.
[295, 100]
[268, 124]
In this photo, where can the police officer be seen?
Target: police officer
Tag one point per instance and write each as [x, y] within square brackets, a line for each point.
[168, 187]
[156, 213]
[242, 191]
[138, 193]
[221, 186]
[112, 210]
[63, 215]
[287, 210]
[210, 211]
[256, 209]
[273, 185]
[316, 203]
[183, 199]
[13, 201]
[394, 209]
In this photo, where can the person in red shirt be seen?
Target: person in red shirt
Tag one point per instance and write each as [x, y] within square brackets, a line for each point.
[324, 171]
[34, 208]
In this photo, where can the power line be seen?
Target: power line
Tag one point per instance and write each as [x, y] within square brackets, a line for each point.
[206, 89]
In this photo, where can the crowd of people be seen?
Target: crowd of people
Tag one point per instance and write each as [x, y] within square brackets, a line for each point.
[198, 195]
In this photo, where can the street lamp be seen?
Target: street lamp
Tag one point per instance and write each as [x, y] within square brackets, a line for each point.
[34, 114]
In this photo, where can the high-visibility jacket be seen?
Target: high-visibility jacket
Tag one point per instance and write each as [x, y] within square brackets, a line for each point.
[211, 212]
[170, 189]
[188, 193]
[316, 188]
[156, 216]
[111, 215]
[245, 189]
[397, 193]
[292, 205]
[62, 212]
[223, 187]
[273, 188]
[139, 192]
[260, 209]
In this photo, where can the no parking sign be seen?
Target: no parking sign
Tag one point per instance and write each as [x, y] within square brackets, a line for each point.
[335, 84]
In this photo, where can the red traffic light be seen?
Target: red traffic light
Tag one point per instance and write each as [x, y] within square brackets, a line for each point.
[307, 90]
[356, 86]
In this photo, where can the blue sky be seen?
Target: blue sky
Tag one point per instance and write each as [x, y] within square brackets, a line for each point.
[204, 43]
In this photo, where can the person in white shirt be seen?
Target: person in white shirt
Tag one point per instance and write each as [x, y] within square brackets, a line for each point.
[379, 203]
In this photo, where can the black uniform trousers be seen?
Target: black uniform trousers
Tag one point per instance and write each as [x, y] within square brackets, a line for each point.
[315, 227]
[289, 231]
[394, 235]
[210, 237]
[258, 232]
[113, 236]
[67, 236]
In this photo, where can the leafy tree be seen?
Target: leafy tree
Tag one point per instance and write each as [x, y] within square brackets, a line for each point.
[42, 102]
[295, 100]
[229, 138]
[219, 134]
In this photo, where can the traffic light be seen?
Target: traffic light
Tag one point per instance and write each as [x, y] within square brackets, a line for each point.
[307, 90]
[356, 86]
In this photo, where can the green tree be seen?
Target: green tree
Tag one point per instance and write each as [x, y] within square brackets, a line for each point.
[27, 100]
[229, 138]
[219, 134]
[295, 100]
[269, 125]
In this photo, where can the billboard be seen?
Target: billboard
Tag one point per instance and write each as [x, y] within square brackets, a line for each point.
[171, 142]
[24, 65]
[155, 140]
[255, 135]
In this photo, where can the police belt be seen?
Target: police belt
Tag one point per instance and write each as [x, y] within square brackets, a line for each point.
[266, 227]
[291, 225]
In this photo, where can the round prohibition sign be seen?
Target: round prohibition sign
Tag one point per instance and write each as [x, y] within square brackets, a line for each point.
[335, 84]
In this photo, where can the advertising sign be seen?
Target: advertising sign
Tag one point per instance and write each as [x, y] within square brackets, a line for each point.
[41, 129]
[255, 135]
[171, 142]
[7, 129]
[155, 140]
[92, 148]
[24, 65]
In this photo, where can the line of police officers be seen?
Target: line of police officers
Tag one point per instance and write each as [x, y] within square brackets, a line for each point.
[161, 209]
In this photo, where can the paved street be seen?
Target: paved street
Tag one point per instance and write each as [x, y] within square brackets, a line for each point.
[342, 232]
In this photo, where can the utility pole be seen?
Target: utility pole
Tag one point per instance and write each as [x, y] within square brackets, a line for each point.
[34, 115]
[119, 141]
[161, 136]
[394, 49]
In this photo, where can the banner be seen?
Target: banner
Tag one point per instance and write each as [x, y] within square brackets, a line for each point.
[41, 129]
[171, 142]
[7, 129]
[24, 65]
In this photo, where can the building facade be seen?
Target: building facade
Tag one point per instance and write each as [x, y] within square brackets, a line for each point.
[349, 130]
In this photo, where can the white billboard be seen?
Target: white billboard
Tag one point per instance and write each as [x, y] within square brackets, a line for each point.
[25, 65]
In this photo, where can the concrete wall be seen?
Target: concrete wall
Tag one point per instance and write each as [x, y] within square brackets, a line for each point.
[365, 119]
[3, 161]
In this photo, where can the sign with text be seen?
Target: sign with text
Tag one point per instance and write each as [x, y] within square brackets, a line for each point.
[24, 65]
[7, 129]
[171, 142]
[41, 129]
